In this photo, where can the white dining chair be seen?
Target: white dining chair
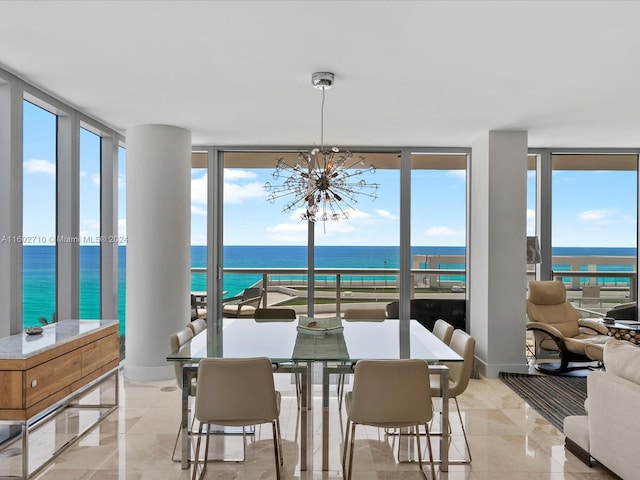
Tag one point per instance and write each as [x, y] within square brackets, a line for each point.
[278, 314]
[197, 326]
[237, 392]
[443, 330]
[358, 315]
[459, 375]
[176, 341]
[388, 394]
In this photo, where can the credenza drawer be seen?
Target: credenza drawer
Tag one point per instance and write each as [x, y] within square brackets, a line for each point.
[53, 376]
[11, 389]
[100, 353]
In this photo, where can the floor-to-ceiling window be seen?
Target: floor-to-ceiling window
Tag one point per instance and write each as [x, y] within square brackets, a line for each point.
[365, 236]
[258, 234]
[438, 234]
[90, 232]
[39, 214]
[199, 178]
[58, 194]
[594, 227]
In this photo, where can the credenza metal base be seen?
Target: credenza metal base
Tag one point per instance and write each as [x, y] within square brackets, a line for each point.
[17, 443]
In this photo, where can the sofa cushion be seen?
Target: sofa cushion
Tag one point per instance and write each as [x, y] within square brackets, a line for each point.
[622, 359]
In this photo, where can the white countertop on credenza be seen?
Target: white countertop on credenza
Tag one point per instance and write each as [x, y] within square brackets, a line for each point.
[22, 346]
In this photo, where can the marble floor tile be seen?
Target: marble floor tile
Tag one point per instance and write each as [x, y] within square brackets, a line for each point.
[508, 439]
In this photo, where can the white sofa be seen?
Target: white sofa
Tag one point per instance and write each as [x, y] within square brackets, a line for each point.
[610, 432]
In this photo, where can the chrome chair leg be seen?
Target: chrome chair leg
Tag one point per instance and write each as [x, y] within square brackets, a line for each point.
[464, 433]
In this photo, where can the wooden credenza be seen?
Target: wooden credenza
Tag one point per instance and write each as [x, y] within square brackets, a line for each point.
[38, 371]
[43, 373]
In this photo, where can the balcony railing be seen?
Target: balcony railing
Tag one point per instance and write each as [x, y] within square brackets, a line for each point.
[335, 287]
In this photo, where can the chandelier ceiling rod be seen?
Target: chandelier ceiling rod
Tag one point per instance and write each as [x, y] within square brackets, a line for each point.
[322, 81]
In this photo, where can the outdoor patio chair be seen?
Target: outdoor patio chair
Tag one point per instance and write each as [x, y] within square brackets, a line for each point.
[198, 306]
[558, 326]
[243, 305]
[590, 295]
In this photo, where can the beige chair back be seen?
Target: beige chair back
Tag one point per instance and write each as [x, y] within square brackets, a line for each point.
[274, 315]
[390, 393]
[443, 330]
[197, 326]
[460, 372]
[366, 314]
[178, 340]
[236, 391]
[547, 303]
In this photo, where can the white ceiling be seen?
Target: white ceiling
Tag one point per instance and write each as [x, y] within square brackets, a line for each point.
[408, 73]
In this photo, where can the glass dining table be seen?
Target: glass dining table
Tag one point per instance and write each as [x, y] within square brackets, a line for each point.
[296, 351]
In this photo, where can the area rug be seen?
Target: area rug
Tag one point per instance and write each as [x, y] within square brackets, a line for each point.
[553, 397]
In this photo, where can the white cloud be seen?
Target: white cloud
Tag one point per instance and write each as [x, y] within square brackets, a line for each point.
[531, 221]
[280, 228]
[122, 227]
[83, 174]
[598, 217]
[39, 166]
[237, 193]
[291, 233]
[359, 216]
[92, 224]
[443, 235]
[459, 174]
[198, 239]
[441, 231]
[199, 190]
[95, 179]
[196, 210]
[122, 180]
[233, 174]
[386, 214]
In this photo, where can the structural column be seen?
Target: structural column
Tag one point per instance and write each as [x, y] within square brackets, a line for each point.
[158, 252]
[497, 251]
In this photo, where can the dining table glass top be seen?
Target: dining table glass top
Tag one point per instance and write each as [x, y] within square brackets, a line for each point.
[282, 342]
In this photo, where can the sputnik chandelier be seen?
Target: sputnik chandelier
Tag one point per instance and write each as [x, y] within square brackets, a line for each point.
[324, 182]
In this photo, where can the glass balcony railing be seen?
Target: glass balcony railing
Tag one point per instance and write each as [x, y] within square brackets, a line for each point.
[336, 289]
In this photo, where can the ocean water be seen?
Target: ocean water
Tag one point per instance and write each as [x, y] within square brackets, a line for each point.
[39, 269]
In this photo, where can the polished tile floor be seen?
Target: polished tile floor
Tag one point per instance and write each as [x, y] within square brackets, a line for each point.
[509, 441]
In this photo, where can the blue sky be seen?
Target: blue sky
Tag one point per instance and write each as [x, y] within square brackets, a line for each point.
[590, 208]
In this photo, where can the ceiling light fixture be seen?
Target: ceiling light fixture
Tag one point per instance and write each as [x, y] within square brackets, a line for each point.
[325, 181]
